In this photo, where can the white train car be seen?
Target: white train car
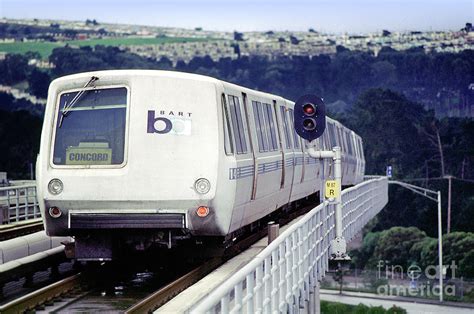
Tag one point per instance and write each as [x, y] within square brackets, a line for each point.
[143, 157]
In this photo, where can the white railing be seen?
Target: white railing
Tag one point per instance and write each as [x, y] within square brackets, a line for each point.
[282, 276]
[18, 203]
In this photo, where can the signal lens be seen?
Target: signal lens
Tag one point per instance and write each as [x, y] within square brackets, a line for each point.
[309, 109]
[55, 212]
[309, 124]
[202, 211]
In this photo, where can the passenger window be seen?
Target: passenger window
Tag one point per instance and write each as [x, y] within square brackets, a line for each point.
[272, 140]
[349, 143]
[260, 126]
[285, 127]
[361, 148]
[296, 139]
[327, 144]
[236, 117]
[341, 139]
[228, 145]
[332, 135]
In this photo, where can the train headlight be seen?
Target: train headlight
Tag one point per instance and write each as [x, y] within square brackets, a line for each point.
[202, 186]
[55, 186]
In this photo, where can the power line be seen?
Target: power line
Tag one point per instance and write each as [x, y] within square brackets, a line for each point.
[465, 180]
[436, 178]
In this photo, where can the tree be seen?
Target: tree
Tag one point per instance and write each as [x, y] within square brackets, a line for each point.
[20, 150]
[394, 245]
[361, 256]
[39, 83]
[458, 247]
[389, 126]
[14, 69]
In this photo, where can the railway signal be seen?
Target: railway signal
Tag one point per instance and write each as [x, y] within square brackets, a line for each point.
[310, 117]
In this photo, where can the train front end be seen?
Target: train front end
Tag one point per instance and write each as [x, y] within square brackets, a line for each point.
[128, 160]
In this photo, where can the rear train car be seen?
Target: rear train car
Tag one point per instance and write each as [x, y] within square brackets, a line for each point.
[136, 158]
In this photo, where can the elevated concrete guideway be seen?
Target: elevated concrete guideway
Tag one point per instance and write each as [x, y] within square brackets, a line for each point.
[284, 275]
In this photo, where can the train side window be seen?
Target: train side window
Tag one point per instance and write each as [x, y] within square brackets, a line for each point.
[349, 143]
[240, 121]
[325, 137]
[340, 139]
[260, 126]
[332, 135]
[356, 145]
[295, 136]
[285, 127]
[228, 144]
[272, 140]
[236, 117]
[361, 148]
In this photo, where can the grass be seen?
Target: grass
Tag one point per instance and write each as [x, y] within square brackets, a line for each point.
[46, 48]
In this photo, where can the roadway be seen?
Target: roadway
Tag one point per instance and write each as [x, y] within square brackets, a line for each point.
[415, 307]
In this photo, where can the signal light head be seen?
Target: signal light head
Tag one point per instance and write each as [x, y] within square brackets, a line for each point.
[309, 124]
[309, 109]
[309, 117]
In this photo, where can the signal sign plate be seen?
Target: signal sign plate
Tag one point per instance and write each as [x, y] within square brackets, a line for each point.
[332, 189]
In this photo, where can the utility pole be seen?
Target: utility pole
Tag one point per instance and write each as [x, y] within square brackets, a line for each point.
[450, 178]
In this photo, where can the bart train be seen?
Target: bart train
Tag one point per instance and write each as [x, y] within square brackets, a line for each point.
[142, 157]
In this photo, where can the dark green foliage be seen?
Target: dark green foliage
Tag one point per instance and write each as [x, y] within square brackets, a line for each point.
[361, 256]
[421, 77]
[388, 124]
[20, 137]
[39, 83]
[406, 246]
[68, 60]
[13, 69]
[400, 133]
[458, 247]
[341, 308]
[394, 245]
[9, 103]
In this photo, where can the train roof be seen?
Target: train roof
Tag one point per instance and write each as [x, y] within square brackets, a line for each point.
[169, 74]
[138, 72]
[162, 73]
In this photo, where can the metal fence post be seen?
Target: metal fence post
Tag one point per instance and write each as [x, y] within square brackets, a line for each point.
[17, 205]
[273, 231]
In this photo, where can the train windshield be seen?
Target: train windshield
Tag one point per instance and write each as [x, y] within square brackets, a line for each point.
[92, 130]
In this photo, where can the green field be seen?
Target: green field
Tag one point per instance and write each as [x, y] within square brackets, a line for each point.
[45, 48]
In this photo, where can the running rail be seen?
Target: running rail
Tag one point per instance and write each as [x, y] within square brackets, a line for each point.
[282, 276]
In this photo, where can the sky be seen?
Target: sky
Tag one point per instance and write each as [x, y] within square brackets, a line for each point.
[332, 16]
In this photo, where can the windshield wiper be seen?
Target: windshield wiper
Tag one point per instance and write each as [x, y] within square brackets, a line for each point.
[76, 98]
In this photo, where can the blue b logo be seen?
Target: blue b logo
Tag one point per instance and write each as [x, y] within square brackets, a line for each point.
[160, 125]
